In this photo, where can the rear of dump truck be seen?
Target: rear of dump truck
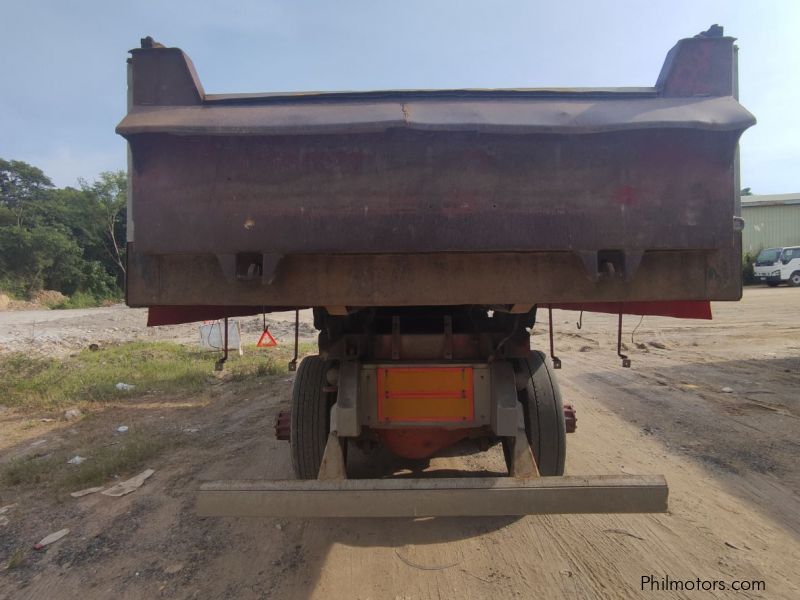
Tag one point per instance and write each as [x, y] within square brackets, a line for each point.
[430, 231]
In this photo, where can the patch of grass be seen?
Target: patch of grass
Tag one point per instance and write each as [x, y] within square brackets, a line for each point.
[91, 376]
[14, 288]
[127, 457]
[102, 462]
[79, 300]
[29, 470]
[16, 559]
[306, 348]
[240, 369]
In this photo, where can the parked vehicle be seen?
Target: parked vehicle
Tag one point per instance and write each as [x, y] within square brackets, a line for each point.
[765, 267]
[774, 266]
[429, 230]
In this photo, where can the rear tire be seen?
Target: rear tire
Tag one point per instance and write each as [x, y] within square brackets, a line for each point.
[772, 283]
[544, 415]
[311, 409]
[794, 279]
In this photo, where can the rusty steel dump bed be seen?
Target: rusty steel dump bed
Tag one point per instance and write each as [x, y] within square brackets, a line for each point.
[411, 198]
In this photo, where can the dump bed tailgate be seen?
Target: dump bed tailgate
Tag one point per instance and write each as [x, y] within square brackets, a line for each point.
[384, 198]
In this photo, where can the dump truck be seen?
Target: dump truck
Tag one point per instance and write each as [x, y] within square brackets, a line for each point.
[430, 231]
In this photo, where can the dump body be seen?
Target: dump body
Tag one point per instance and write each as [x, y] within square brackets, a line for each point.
[426, 228]
[411, 198]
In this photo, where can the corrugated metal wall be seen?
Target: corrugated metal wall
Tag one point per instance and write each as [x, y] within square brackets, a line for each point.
[770, 226]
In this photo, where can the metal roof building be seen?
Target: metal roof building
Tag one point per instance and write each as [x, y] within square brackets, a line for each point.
[770, 221]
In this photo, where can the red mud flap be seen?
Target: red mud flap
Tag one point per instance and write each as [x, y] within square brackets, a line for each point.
[457, 497]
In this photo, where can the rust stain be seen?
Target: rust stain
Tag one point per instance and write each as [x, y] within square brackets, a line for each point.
[626, 195]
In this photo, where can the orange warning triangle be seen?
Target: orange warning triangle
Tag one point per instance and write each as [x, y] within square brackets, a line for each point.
[266, 340]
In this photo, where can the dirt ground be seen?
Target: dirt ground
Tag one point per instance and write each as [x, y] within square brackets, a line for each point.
[730, 458]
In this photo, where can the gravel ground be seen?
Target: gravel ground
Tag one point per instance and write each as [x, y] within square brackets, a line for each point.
[58, 332]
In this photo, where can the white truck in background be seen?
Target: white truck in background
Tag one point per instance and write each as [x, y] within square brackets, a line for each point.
[774, 266]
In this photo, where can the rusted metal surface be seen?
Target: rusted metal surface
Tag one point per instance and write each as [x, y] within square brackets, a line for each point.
[484, 112]
[418, 279]
[434, 497]
[570, 418]
[434, 192]
[416, 443]
[435, 197]
[553, 358]
[518, 452]
[283, 426]
[681, 310]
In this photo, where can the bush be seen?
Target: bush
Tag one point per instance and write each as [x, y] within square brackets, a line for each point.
[13, 287]
[50, 298]
[79, 300]
[98, 283]
[47, 258]
[42, 258]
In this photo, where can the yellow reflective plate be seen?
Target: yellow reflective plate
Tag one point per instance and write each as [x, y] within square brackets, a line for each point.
[432, 394]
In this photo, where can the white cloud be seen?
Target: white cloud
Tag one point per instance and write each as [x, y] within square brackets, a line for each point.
[65, 165]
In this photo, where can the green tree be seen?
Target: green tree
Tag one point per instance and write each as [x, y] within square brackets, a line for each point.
[64, 239]
[40, 258]
[21, 185]
[110, 195]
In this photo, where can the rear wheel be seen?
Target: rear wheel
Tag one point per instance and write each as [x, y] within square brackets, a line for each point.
[772, 283]
[794, 279]
[544, 415]
[311, 408]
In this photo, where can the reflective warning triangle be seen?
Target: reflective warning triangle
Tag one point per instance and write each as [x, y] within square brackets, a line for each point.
[266, 340]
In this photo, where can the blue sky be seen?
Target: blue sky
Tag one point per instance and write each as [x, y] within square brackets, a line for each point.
[63, 62]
